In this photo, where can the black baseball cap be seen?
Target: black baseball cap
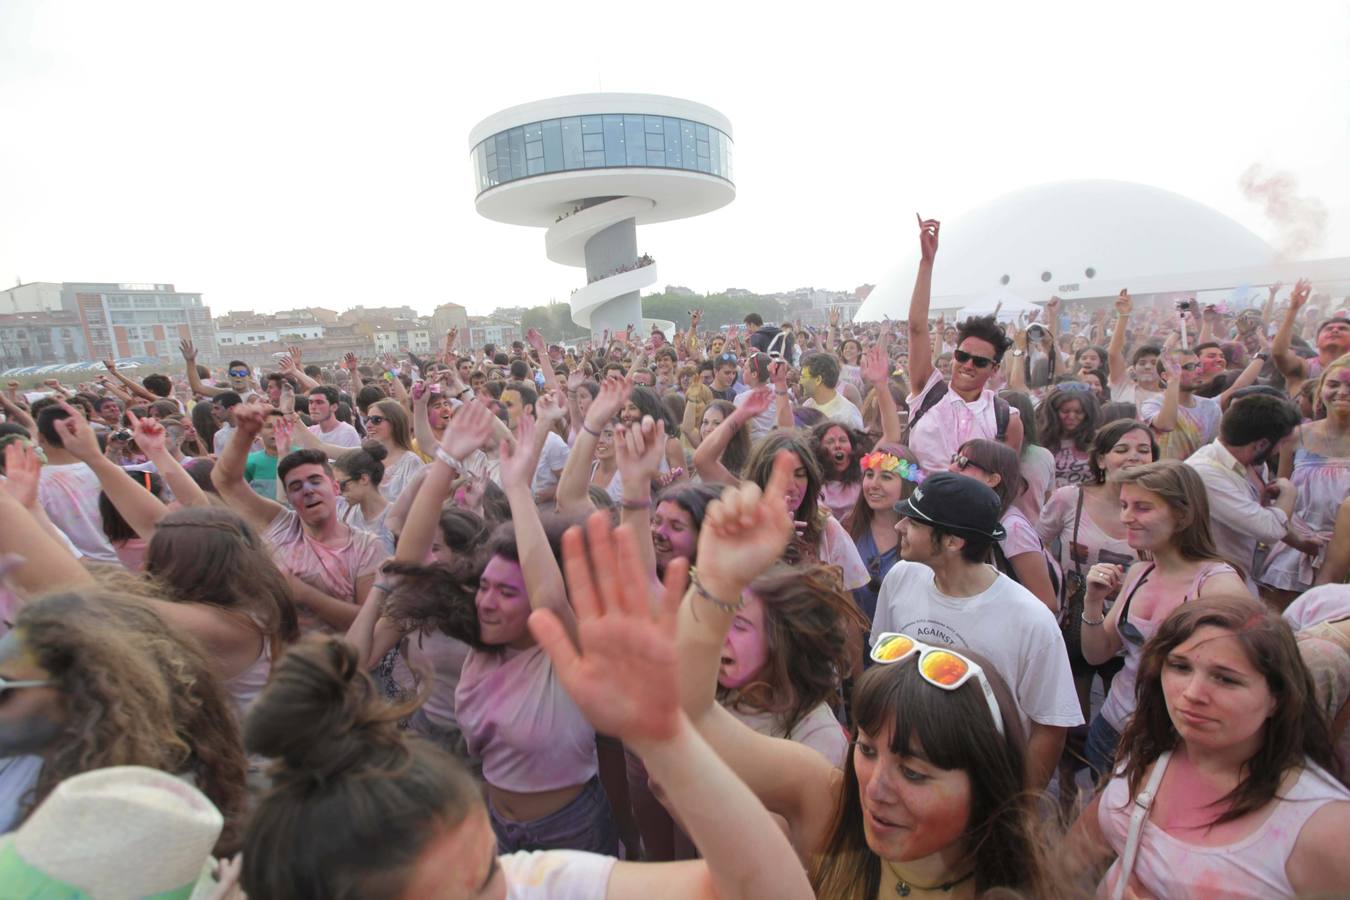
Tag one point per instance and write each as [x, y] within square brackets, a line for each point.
[957, 504]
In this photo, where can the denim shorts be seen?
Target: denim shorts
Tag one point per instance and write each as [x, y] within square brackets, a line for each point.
[584, 824]
[1102, 740]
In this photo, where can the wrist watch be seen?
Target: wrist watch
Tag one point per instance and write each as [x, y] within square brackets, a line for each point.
[448, 459]
[1019, 352]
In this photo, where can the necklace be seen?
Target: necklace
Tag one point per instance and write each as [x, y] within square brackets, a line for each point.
[903, 887]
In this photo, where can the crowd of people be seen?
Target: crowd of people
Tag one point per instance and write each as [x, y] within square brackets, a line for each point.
[1048, 609]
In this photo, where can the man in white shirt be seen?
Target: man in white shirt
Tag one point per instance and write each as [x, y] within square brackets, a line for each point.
[819, 378]
[323, 404]
[944, 592]
[755, 372]
[519, 397]
[68, 490]
[1251, 436]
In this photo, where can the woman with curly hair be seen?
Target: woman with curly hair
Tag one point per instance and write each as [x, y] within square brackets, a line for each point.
[1066, 422]
[97, 680]
[838, 451]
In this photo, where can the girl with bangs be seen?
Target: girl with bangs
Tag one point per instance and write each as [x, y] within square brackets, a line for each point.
[1226, 774]
[931, 797]
[889, 474]
[1066, 422]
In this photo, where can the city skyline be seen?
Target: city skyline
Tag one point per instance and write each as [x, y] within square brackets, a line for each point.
[301, 155]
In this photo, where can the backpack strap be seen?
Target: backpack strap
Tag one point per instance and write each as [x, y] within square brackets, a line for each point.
[1002, 416]
[1002, 411]
[930, 400]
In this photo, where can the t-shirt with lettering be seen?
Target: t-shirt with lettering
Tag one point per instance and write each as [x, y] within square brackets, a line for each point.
[1005, 623]
[1071, 465]
[69, 494]
[556, 875]
[1196, 426]
[333, 570]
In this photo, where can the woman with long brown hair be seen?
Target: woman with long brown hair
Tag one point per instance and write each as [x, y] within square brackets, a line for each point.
[99, 680]
[932, 796]
[1165, 511]
[890, 474]
[1225, 779]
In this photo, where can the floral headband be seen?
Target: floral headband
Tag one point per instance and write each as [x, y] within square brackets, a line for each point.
[887, 462]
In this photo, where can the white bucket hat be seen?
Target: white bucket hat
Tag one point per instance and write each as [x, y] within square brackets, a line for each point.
[114, 834]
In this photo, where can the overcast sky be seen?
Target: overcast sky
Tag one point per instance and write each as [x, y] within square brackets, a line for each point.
[280, 154]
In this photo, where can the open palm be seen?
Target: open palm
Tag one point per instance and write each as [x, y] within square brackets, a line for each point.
[624, 675]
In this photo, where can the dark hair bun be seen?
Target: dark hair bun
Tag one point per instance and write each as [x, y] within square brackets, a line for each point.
[375, 449]
[322, 716]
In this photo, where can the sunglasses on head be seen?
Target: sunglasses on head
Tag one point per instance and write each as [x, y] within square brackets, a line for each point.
[727, 357]
[941, 667]
[980, 362]
[1070, 387]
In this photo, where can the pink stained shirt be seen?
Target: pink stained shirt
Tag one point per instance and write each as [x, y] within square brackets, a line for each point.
[519, 720]
[333, 570]
[949, 424]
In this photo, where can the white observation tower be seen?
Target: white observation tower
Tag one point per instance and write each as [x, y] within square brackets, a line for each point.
[592, 167]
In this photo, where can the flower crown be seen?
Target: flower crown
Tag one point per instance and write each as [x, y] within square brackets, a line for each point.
[888, 462]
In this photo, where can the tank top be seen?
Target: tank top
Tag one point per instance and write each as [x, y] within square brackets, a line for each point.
[1252, 866]
[1134, 632]
[245, 687]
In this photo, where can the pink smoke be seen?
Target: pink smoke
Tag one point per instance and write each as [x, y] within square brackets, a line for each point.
[1301, 222]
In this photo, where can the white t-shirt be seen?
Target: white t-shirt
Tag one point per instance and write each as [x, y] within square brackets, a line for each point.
[763, 423]
[344, 435]
[1006, 624]
[556, 875]
[551, 460]
[223, 437]
[838, 549]
[69, 494]
[840, 410]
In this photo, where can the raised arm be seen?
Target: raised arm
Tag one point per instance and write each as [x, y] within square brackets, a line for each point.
[1245, 378]
[543, 578]
[638, 453]
[14, 412]
[573, 484]
[782, 399]
[876, 370]
[1166, 419]
[920, 350]
[743, 533]
[622, 673]
[421, 397]
[131, 386]
[141, 509]
[1115, 353]
[308, 440]
[290, 365]
[46, 563]
[536, 340]
[189, 352]
[1290, 364]
[708, 456]
[228, 473]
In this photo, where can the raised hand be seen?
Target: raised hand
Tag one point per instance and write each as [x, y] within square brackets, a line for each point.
[283, 430]
[450, 337]
[1275, 289]
[575, 379]
[189, 352]
[419, 392]
[350, 363]
[613, 392]
[638, 451]
[535, 339]
[248, 417]
[295, 355]
[1124, 303]
[518, 463]
[624, 676]
[287, 404]
[468, 431]
[778, 374]
[550, 408]
[1103, 580]
[1052, 311]
[77, 435]
[834, 317]
[876, 367]
[928, 238]
[745, 531]
[110, 365]
[150, 435]
[23, 471]
[1302, 291]
[756, 402]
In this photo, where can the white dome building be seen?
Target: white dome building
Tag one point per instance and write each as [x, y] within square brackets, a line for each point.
[1080, 240]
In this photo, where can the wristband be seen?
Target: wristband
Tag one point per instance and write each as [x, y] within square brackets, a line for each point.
[782, 393]
[1089, 622]
[448, 459]
[589, 430]
[637, 504]
[697, 587]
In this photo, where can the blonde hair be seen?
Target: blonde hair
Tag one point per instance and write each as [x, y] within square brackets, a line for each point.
[1342, 362]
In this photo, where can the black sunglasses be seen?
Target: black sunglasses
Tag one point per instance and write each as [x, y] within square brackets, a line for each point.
[375, 420]
[981, 362]
[239, 373]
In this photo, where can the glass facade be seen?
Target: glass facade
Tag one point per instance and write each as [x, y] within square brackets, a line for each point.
[596, 142]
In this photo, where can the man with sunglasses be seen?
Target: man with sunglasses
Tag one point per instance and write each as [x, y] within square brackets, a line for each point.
[1183, 421]
[944, 592]
[944, 416]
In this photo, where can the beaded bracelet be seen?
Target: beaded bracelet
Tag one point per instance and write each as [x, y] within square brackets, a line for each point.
[589, 430]
[697, 587]
[1089, 622]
